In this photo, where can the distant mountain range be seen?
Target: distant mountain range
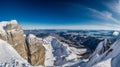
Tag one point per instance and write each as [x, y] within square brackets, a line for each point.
[71, 48]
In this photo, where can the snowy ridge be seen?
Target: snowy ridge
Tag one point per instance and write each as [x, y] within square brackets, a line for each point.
[99, 50]
[110, 58]
[57, 53]
[49, 57]
[4, 23]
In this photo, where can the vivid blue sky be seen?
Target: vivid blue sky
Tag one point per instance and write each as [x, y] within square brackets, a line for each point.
[62, 14]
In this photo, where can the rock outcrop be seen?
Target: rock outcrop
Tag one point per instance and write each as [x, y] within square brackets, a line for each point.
[36, 50]
[9, 57]
[14, 35]
[30, 48]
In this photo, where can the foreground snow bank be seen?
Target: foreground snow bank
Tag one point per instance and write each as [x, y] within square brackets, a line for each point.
[9, 57]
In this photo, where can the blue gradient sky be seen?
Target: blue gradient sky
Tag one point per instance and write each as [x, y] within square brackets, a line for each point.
[62, 14]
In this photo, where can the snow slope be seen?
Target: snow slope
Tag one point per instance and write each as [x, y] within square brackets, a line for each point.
[57, 53]
[99, 50]
[110, 58]
[2, 31]
[9, 57]
[2, 24]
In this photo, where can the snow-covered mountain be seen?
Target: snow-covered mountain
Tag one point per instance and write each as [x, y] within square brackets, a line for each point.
[20, 50]
[104, 56]
[58, 53]
[11, 32]
[37, 51]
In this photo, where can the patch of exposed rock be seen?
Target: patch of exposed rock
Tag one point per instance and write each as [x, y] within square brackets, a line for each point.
[14, 35]
[29, 48]
[36, 50]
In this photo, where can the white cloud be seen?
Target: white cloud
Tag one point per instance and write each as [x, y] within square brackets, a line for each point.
[114, 6]
[75, 27]
[104, 15]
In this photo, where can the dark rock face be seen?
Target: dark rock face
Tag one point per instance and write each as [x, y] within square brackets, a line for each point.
[91, 43]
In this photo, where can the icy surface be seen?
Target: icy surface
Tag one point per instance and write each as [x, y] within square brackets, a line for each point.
[2, 25]
[116, 33]
[49, 58]
[106, 63]
[9, 57]
[110, 58]
[32, 36]
[57, 53]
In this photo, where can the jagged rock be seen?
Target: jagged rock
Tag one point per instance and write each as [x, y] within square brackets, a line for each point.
[30, 49]
[9, 56]
[36, 50]
[14, 35]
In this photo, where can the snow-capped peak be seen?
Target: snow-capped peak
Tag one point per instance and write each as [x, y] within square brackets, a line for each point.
[4, 23]
[115, 33]
[31, 36]
[13, 22]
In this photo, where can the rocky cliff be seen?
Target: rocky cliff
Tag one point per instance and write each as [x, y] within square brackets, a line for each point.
[48, 51]
[14, 35]
[36, 51]
[30, 48]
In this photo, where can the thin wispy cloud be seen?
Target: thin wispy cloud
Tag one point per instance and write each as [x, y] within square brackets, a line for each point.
[114, 6]
[72, 14]
[103, 15]
[76, 27]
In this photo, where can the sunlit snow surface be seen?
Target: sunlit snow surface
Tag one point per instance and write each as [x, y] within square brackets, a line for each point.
[115, 33]
[9, 57]
[57, 53]
[110, 58]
